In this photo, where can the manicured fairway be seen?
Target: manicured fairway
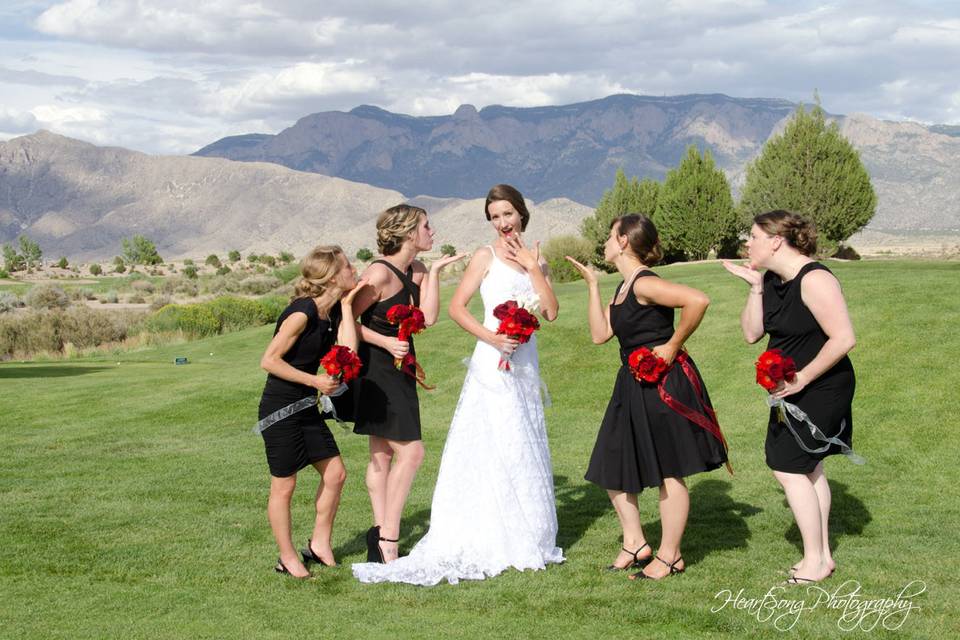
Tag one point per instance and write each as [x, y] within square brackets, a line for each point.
[132, 493]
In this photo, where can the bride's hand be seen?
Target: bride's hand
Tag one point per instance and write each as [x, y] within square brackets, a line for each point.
[521, 254]
[504, 344]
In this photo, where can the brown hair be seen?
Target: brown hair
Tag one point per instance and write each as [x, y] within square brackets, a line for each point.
[511, 195]
[317, 272]
[642, 235]
[799, 232]
[394, 225]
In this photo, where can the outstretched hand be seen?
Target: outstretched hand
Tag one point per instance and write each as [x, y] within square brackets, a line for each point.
[444, 261]
[587, 273]
[745, 272]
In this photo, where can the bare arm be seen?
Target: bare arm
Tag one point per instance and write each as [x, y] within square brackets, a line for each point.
[273, 362]
[430, 286]
[597, 315]
[468, 286]
[692, 303]
[751, 318]
[348, 333]
[822, 295]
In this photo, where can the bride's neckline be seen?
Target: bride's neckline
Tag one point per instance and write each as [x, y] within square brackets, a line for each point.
[493, 250]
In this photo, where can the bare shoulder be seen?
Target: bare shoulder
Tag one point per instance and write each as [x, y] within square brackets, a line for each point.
[377, 274]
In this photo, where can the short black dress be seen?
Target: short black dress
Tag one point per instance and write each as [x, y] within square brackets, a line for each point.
[302, 438]
[827, 400]
[386, 397]
[642, 440]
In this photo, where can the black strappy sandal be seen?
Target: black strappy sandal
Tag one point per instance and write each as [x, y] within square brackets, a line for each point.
[282, 568]
[640, 575]
[373, 546]
[380, 538]
[796, 580]
[309, 556]
[636, 560]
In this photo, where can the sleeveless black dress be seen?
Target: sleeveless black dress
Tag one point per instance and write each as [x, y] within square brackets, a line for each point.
[386, 397]
[827, 400]
[642, 440]
[302, 438]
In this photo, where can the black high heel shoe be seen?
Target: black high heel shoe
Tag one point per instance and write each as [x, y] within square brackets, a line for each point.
[373, 545]
[636, 560]
[282, 568]
[640, 575]
[309, 556]
[380, 539]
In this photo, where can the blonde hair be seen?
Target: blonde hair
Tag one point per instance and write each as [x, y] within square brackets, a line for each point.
[318, 270]
[394, 225]
[799, 232]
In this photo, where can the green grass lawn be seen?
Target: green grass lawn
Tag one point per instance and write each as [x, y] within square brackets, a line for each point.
[132, 493]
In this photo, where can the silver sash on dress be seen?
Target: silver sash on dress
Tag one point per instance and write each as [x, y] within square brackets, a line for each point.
[787, 409]
[326, 406]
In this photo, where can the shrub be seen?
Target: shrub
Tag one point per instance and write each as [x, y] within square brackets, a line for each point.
[234, 256]
[4, 274]
[193, 319]
[190, 271]
[188, 262]
[253, 258]
[160, 302]
[110, 297]
[223, 270]
[287, 273]
[117, 260]
[557, 247]
[83, 293]
[85, 327]
[47, 296]
[136, 299]
[143, 286]
[259, 285]
[285, 257]
[62, 262]
[364, 254]
[268, 260]
[272, 307]
[213, 260]
[448, 250]
[119, 268]
[140, 250]
[8, 301]
[95, 269]
[237, 313]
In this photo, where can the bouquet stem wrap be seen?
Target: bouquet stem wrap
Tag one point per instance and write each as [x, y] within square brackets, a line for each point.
[786, 409]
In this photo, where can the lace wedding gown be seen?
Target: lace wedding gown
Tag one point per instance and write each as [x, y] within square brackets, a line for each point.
[493, 505]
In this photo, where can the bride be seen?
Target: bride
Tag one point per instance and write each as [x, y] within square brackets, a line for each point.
[493, 506]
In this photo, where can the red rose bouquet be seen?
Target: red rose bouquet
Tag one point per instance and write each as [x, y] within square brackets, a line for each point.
[646, 366]
[410, 320]
[773, 369]
[515, 322]
[341, 363]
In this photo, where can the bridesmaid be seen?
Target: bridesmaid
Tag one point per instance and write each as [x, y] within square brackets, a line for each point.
[798, 302]
[644, 442]
[387, 407]
[310, 325]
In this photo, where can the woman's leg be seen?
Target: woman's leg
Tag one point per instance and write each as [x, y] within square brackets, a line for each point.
[408, 456]
[333, 475]
[805, 505]
[819, 479]
[378, 469]
[674, 509]
[278, 512]
[628, 512]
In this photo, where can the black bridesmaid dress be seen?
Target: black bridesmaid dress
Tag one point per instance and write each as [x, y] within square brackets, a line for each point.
[827, 400]
[302, 438]
[642, 440]
[386, 397]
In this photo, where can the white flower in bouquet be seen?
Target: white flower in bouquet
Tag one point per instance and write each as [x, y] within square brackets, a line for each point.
[528, 301]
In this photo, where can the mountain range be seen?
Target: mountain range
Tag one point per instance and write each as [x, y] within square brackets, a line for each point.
[326, 177]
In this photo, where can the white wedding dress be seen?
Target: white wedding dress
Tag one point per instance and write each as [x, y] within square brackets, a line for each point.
[493, 505]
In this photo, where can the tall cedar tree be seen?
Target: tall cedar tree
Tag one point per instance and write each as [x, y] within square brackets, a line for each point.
[695, 212]
[626, 196]
[813, 170]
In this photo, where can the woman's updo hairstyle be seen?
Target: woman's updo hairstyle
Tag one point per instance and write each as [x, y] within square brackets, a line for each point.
[799, 232]
[511, 195]
[642, 236]
[394, 226]
[318, 271]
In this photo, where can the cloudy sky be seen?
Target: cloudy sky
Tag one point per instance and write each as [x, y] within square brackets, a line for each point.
[169, 76]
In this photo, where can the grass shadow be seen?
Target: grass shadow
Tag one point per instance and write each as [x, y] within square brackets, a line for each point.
[717, 522]
[848, 517]
[46, 371]
[578, 507]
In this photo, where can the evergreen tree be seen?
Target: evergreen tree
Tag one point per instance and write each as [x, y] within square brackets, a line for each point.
[695, 212]
[813, 170]
[625, 196]
[140, 250]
